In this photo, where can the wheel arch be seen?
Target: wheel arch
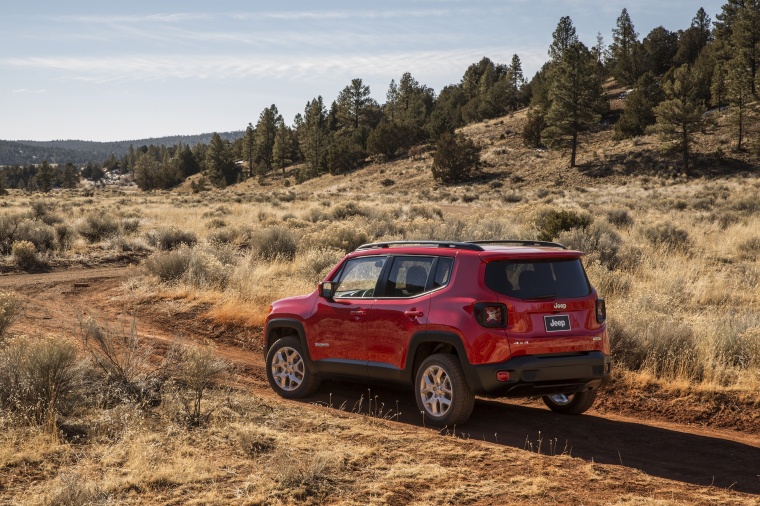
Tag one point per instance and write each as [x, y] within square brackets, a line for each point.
[426, 343]
[282, 327]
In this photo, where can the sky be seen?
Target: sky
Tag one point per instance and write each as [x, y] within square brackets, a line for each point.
[111, 71]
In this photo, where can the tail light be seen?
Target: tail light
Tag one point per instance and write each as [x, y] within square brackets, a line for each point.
[601, 311]
[491, 314]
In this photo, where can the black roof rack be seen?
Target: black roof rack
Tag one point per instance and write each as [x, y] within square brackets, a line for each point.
[438, 244]
[468, 245]
[521, 242]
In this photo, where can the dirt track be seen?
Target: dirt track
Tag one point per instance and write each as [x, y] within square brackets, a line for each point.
[53, 303]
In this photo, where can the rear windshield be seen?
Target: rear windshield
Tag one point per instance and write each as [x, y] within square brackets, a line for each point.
[526, 280]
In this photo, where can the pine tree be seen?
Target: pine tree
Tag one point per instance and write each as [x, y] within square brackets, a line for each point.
[563, 37]
[576, 96]
[45, 177]
[660, 46]
[266, 130]
[70, 176]
[313, 136]
[625, 50]
[694, 39]
[353, 104]
[639, 107]
[284, 147]
[220, 167]
[249, 148]
[681, 114]
[739, 96]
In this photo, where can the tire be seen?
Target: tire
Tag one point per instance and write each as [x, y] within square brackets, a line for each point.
[571, 404]
[287, 371]
[441, 390]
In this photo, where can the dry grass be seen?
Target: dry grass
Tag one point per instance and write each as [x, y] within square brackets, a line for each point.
[677, 259]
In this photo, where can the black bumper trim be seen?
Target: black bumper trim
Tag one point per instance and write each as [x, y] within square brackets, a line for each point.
[544, 374]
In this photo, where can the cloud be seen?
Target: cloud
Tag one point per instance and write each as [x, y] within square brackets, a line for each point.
[27, 91]
[223, 67]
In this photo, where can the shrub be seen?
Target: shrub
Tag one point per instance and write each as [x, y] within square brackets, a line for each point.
[620, 218]
[169, 266]
[168, 238]
[348, 210]
[598, 239]
[749, 248]
[124, 360]
[65, 235]
[456, 158]
[206, 271]
[130, 225]
[668, 236]
[37, 377]
[240, 237]
[25, 255]
[273, 243]
[387, 182]
[197, 370]
[8, 309]
[38, 233]
[9, 225]
[551, 222]
[97, 227]
[315, 263]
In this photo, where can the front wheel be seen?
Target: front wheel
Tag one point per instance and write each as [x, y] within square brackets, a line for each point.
[287, 372]
[571, 404]
[443, 396]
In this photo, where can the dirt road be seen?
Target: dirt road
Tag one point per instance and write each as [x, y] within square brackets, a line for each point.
[54, 302]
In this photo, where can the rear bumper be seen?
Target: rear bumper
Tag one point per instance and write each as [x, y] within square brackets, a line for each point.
[543, 374]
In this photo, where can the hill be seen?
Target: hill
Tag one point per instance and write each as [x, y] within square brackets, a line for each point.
[80, 152]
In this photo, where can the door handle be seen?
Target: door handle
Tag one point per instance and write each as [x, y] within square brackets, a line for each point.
[358, 312]
[413, 313]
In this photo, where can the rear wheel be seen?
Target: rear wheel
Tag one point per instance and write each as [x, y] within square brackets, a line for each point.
[571, 404]
[442, 393]
[287, 372]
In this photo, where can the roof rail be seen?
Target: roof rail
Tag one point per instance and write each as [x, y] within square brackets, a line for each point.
[521, 242]
[468, 245]
[438, 244]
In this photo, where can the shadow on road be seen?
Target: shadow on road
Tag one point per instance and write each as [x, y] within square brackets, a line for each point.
[686, 457]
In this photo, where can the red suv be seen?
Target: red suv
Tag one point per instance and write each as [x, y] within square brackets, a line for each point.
[452, 319]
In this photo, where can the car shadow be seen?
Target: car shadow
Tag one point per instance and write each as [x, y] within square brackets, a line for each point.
[682, 456]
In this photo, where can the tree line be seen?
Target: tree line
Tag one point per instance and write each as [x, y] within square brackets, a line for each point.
[672, 79]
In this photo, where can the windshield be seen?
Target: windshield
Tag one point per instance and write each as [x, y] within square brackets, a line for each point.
[529, 280]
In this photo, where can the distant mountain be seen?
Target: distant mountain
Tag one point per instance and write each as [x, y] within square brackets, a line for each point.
[80, 152]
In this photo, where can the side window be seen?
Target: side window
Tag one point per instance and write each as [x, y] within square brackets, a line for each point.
[408, 276]
[443, 272]
[359, 277]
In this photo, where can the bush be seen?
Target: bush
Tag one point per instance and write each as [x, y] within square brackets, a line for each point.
[124, 360]
[274, 243]
[65, 236]
[599, 240]
[37, 378]
[551, 222]
[749, 248]
[130, 225]
[8, 309]
[620, 218]
[38, 233]
[348, 210]
[97, 227]
[168, 238]
[169, 266]
[197, 370]
[668, 236]
[456, 158]
[206, 271]
[25, 255]
[240, 237]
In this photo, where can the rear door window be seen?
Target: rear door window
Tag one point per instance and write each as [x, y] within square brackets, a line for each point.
[527, 280]
[408, 276]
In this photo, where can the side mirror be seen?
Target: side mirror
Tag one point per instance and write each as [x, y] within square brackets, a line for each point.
[327, 289]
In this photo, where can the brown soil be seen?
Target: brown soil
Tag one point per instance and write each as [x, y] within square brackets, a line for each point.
[692, 439]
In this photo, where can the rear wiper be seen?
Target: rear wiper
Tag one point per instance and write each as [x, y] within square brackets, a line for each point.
[543, 297]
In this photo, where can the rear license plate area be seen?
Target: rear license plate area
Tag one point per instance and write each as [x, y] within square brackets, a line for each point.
[557, 323]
